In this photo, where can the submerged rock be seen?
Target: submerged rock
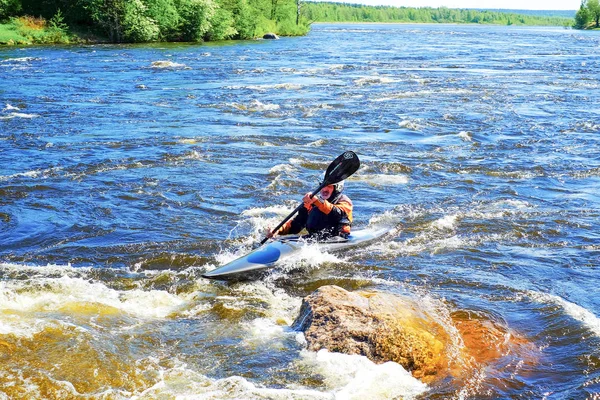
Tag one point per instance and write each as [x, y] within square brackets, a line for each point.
[166, 64]
[382, 327]
[387, 327]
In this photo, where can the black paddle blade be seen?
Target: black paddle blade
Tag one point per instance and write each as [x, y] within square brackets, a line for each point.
[341, 168]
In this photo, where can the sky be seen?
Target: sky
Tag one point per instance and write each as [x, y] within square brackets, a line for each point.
[494, 4]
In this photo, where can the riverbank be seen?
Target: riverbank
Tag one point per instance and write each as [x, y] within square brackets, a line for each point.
[29, 30]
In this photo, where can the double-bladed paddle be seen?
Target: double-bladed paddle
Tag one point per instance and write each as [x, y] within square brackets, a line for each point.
[340, 168]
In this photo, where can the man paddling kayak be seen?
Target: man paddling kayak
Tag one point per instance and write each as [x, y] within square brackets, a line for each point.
[329, 214]
[326, 215]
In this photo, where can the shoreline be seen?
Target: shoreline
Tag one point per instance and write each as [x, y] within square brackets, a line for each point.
[77, 38]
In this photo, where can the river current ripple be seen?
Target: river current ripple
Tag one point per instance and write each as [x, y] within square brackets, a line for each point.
[127, 171]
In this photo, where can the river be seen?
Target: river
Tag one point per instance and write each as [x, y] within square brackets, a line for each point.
[126, 171]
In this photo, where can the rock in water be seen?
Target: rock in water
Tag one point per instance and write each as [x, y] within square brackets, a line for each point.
[270, 36]
[383, 327]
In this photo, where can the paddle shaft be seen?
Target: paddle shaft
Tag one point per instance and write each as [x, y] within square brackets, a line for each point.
[294, 212]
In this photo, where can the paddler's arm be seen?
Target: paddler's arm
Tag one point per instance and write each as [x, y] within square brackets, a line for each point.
[339, 210]
[296, 224]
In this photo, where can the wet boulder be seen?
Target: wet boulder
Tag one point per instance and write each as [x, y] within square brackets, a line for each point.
[270, 35]
[383, 327]
[432, 345]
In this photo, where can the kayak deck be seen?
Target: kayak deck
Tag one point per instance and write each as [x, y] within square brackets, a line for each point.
[261, 260]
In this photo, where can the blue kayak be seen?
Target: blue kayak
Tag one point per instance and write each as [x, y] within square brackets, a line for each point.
[259, 261]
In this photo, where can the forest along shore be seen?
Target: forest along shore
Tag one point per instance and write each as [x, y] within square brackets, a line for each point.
[26, 22]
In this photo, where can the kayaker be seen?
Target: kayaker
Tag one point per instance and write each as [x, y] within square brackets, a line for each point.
[325, 215]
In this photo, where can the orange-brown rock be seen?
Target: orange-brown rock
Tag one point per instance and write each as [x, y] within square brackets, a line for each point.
[380, 326]
[388, 327]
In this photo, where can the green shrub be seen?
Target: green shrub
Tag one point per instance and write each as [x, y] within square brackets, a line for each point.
[9, 35]
[264, 25]
[107, 15]
[28, 30]
[196, 16]
[221, 26]
[137, 27]
[245, 19]
[288, 27]
[166, 16]
[9, 8]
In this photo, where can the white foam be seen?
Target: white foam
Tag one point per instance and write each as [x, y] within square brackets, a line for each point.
[466, 136]
[190, 140]
[184, 384]
[396, 96]
[166, 64]
[588, 126]
[20, 59]
[519, 204]
[296, 161]
[10, 108]
[408, 124]
[264, 331]
[373, 80]
[49, 294]
[586, 317]
[260, 220]
[21, 326]
[356, 377]
[382, 179]
[19, 115]
[386, 218]
[281, 168]
[347, 377]
[260, 211]
[194, 155]
[44, 173]
[317, 143]
[446, 222]
[287, 86]
[256, 105]
[276, 307]
[310, 257]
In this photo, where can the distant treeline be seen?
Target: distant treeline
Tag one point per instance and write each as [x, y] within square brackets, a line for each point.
[536, 13]
[158, 20]
[342, 12]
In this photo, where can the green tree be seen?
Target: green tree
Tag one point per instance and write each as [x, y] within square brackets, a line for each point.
[137, 26]
[196, 16]
[57, 29]
[9, 8]
[73, 11]
[166, 16]
[123, 20]
[221, 25]
[244, 19]
[108, 14]
[582, 17]
[594, 11]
